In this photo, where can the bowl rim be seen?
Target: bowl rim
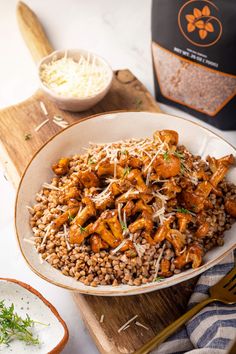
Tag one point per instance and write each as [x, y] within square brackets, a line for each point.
[54, 94]
[58, 348]
[118, 292]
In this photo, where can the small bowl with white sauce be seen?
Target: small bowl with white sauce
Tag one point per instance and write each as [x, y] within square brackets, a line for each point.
[75, 79]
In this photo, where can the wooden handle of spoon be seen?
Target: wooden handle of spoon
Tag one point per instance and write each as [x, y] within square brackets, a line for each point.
[33, 32]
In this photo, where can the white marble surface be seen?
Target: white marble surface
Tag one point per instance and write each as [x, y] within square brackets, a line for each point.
[117, 30]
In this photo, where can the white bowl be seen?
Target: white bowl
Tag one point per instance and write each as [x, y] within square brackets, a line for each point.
[27, 300]
[107, 128]
[75, 104]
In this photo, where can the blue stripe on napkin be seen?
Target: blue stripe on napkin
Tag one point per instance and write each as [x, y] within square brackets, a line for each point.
[213, 329]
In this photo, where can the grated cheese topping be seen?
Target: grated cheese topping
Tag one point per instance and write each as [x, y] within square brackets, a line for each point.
[141, 325]
[157, 264]
[70, 78]
[127, 323]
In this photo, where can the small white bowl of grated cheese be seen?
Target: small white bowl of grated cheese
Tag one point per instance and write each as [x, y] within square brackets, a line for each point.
[75, 79]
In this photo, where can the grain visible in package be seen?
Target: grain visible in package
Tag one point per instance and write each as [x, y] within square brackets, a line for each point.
[191, 84]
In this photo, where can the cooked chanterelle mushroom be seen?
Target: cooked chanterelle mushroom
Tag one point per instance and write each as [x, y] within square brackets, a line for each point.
[133, 211]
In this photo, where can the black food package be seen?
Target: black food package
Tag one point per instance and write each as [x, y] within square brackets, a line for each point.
[194, 58]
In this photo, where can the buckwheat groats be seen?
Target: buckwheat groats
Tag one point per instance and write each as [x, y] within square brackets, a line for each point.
[191, 84]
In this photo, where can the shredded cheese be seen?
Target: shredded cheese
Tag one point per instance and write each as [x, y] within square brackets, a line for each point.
[66, 237]
[41, 125]
[48, 229]
[101, 319]
[157, 265]
[50, 186]
[139, 249]
[124, 329]
[141, 325]
[62, 124]
[127, 323]
[43, 108]
[30, 209]
[70, 78]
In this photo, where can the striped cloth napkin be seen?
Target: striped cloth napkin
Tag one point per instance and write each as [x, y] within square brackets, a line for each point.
[213, 329]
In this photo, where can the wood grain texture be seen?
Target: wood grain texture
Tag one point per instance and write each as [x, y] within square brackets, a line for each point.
[32, 32]
[155, 310]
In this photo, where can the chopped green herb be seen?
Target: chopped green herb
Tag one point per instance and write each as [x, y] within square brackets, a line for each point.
[126, 171]
[27, 136]
[12, 326]
[183, 210]
[158, 279]
[71, 217]
[123, 226]
[138, 102]
[179, 155]
[166, 155]
[82, 229]
[90, 161]
[182, 168]
[124, 152]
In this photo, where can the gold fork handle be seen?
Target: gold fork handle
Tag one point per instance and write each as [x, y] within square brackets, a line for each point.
[165, 333]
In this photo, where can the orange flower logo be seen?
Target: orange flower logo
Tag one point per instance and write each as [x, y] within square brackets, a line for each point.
[199, 24]
[200, 20]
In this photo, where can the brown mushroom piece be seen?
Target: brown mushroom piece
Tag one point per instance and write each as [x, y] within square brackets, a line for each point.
[222, 165]
[177, 239]
[88, 179]
[81, 218]
[68, 194]
[167, 167]
[144, 223]
[97, 243]
[202, 175]
[128, 246]
[171, 188]
[163, 230]
[194, 200]
[129, 195]
[193, 254]
[119, 187]
[214, 163]
[131, 161]
[104, 203]
[61, 167]
[202, 230]
[63, 218]
[141, 206]
[78, 233]
[110, 217]
[128, 208]
[165, 268]
[135, 177]
[99, 227]
[183, 220]
[230, 207]
[171, 137]
[107, 168]
[87, 212]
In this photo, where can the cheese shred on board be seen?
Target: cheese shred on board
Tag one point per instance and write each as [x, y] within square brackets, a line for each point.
[81, 79]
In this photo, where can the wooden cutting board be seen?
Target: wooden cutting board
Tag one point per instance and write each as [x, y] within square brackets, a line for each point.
[155, 310]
